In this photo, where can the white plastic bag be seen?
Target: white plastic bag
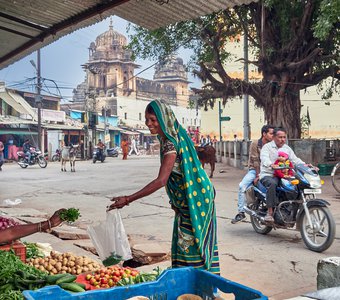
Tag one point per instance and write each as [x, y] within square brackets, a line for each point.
[109, 237]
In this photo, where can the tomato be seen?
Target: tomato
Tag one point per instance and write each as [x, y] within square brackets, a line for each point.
[103, 280]
[92, 281]
[111, 283]
[88, 277]
[102, 274]
[117, 273]
[97, 277]
[134, 273]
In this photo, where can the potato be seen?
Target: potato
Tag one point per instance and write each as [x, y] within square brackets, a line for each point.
[54, 271]
[79, 271]
[71, 264]
[52, 262]
[41, 268]
[49, 267]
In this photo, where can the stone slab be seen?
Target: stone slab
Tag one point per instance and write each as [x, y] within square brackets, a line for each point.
[31, 220]
[23, 212]
[86, 245]
[66, 232]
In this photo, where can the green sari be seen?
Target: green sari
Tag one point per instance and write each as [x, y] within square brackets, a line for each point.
[192, 196]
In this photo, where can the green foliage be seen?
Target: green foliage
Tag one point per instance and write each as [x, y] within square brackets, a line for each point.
[327, 19]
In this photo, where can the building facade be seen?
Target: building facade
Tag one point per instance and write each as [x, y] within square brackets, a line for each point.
[111, 88]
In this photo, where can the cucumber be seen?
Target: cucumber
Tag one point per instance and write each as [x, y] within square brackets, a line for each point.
[66, 279]
[72, 287]
[52, 279]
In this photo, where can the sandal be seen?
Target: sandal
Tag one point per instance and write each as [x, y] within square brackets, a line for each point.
[269, 218]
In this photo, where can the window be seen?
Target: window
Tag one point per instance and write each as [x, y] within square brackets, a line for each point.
[140, 116]
[125, 116]
[183, 120]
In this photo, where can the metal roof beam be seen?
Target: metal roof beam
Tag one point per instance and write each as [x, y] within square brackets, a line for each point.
[73, 20]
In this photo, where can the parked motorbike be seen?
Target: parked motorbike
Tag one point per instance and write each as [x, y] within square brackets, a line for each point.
[36, 158]
[298, 206]
[57, 155]
[97, 155]
[112, 152]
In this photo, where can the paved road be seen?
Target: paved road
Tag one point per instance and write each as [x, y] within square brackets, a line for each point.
[277, 264]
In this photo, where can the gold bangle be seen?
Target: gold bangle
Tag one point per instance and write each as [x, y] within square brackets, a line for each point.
[39, 226]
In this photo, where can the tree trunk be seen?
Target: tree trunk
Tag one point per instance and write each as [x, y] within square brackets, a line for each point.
[285, 112]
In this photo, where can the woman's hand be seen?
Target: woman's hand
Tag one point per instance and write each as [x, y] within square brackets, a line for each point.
[55, 219]
[118, 202]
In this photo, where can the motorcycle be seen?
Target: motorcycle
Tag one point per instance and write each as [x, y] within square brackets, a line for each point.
[36, 158]
[98, 155]
[57, 155]
[112, 152]
[298, 206]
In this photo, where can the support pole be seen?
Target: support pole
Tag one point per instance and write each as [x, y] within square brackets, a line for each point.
[39, 100]
[246, 125]
[219, 119]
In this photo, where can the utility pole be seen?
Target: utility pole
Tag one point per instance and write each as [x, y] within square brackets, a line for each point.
[246, 125]
[219, 119]
[38, 98]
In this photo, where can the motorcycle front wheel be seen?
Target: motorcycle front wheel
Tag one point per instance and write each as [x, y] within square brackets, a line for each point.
[42, 162]
[320, 235]
[256, 223]
[55, 157]
[22, 163]
[94, 160]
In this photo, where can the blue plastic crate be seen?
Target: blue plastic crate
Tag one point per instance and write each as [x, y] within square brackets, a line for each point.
[171, 284]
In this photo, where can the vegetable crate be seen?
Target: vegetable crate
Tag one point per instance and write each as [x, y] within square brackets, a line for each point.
[171, 284]
[18, 247]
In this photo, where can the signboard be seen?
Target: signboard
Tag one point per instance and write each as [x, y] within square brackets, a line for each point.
[107, 138]
[225, 118]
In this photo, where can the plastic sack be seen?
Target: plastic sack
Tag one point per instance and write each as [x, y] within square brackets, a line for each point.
[109, 237]
[9, 202]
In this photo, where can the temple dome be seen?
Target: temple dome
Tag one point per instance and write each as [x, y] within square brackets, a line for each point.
[110, 38]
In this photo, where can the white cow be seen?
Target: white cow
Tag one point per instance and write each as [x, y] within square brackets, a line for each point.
[69, 153]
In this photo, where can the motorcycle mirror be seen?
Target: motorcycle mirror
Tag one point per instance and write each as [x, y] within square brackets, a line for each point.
[295, 182]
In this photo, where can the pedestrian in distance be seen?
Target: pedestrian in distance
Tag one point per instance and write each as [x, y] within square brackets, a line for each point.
[1, 154]
[133, 146]
[191, 193]
[253, 170]
[125, 147]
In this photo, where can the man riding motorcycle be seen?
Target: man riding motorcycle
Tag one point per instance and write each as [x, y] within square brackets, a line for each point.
[101, 147]
[27, 150]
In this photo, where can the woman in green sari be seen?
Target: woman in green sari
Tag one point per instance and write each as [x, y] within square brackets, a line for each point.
[190, 191]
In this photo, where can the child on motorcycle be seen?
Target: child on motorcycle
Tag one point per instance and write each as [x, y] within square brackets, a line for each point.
[283, 162]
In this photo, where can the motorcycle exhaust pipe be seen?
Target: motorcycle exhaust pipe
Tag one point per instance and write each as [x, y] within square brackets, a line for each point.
[253, 213]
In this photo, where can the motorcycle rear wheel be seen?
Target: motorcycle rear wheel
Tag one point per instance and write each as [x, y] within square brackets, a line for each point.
[256, 223]
[22, 163]
[42, 162]
[321, 236]
[94, 160]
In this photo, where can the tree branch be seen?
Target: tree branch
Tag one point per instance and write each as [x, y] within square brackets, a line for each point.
[312, 79]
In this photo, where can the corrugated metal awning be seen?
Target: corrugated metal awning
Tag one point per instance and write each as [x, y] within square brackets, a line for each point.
[26, 26]
[17, 102]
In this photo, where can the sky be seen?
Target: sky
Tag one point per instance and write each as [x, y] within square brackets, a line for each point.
[61, 62]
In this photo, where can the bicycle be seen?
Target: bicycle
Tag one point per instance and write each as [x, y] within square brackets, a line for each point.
[336, 177]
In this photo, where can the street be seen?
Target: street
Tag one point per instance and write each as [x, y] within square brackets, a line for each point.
[278, 264]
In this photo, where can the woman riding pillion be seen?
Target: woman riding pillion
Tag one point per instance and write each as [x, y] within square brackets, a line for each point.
[190, 190]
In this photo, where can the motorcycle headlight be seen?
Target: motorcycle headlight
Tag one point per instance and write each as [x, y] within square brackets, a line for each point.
[314, 181]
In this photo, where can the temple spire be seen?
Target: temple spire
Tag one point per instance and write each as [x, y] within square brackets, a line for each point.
[111, 26]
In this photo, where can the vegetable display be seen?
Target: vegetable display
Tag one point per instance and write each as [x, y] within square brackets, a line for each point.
[119, 276]
[64, 263]
[16, 277]
[70, 215]
[7, 222]
[32, 251]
